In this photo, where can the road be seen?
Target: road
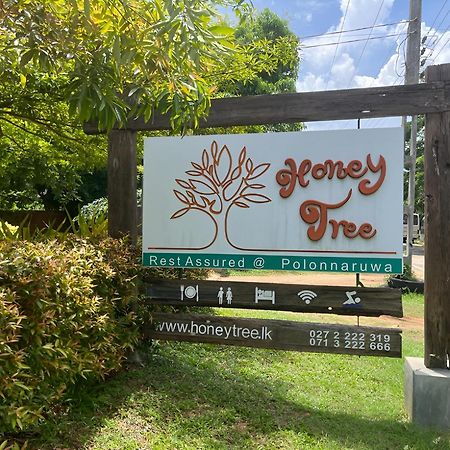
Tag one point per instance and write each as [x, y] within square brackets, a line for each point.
[330, 279]
[418, 264]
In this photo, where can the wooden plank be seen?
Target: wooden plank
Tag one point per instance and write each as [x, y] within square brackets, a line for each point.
[122, 175]
[283, 297]
[277, 334]
[312, 106]
[437, 232]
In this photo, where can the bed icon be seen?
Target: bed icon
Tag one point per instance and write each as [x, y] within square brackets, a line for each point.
[262, 295]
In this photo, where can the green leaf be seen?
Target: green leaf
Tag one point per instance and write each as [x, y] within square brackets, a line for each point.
[87, 8]
[222, 30]
[23, 80]
[27, 56]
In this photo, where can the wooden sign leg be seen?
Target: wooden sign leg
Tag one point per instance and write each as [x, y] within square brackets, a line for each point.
[122, 173]
[437, 231]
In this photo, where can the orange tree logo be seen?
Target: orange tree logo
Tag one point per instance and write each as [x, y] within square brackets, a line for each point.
[217, 184]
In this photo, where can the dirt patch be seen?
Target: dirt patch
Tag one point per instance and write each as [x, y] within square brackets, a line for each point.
[333, 279]
[405, 323]
[312, 278]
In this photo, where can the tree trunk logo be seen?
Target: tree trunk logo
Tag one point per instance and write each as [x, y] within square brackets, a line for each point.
[217, 184]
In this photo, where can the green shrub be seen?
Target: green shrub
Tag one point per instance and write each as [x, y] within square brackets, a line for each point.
[66, 311]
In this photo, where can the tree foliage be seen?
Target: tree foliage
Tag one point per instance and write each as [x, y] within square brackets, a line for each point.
[279, 77]
[113, 60]
[63, 63]
[268, 27]
[419, 203]
[41, 169]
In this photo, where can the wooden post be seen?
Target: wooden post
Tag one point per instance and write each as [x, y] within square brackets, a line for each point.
[364, 103]
[412, 77]
[122, 173]
[437, 230]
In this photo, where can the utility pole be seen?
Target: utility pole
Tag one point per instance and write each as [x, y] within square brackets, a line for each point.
[412, 65]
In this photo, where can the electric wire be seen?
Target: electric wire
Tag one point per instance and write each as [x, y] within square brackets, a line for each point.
[437, 28]
[434, 21]
[337, 45]
[441, 36]
[389, 56]
[351, 41]
[365, 45]
[442, 48]
[423, 62]
[399, 48]
[352, 30]
[378, 121]
[350, 122]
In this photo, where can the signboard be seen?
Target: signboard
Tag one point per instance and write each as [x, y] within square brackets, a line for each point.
[278, 334]
[352, 301]
[306, 201]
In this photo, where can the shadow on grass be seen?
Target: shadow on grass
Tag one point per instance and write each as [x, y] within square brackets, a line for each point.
[201, 396]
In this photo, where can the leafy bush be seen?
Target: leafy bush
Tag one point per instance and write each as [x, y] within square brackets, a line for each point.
[99, 207]
[7, 230]
[94, 209]
[407, 275]
[66, 311]
[13, 232]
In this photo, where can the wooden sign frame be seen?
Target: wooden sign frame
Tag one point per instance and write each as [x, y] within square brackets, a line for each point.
[349, 301]
[277, 334]
[431, 98]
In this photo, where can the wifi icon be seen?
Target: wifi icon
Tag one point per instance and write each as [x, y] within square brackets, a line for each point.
[307, 296]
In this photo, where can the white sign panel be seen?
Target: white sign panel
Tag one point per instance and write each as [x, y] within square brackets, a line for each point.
[307, 201]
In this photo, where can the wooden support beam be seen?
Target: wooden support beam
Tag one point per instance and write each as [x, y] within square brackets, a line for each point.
[122, 173]
[313, 106]
[277, 334]
[437, 230]
[350, 301]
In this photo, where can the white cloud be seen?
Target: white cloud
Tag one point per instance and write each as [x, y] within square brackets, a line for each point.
[337, 67]
[303, 16]
[310, 4]
[311, 82]
[438, 47]
[361, 13]
[444, 55]
[342, 70]
[326, 67]
[391, 73]
[331, 67]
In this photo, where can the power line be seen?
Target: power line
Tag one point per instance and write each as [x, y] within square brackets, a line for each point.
[436, 29]
[442, 35]
[397, 52]
[399, 48]
[434, 21]
[351, 41]
[337, 44]
[442, 48]
[422, 63]
[353, 29]
[365, 44]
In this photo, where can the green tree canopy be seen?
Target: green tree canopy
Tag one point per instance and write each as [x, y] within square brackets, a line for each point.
[268, 26]
[419, 202]
[63, 63]
[112, 60]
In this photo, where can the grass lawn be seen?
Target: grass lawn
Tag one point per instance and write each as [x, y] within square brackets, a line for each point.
[200, 396]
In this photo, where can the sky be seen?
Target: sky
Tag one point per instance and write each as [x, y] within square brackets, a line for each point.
[367, 62]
